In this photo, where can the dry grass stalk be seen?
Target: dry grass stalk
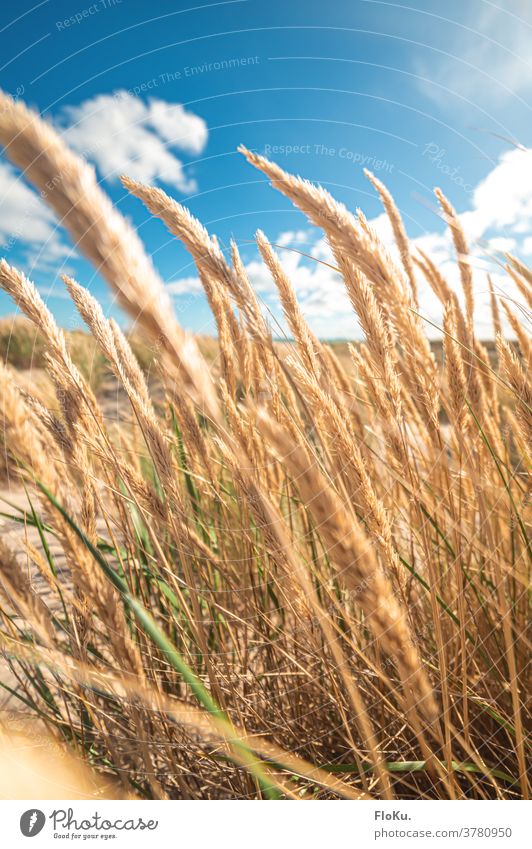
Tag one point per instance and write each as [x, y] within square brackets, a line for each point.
[520, 383]
[399, 232]
[462, 253]
[308, 344]
[69, 186]
[356, 240]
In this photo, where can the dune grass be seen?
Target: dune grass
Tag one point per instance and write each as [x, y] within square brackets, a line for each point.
[292, 578]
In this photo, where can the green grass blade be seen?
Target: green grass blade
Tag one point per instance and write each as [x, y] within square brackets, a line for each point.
[176, 660]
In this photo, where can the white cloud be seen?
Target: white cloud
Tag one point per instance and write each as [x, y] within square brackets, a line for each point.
[527, 246]
[26, 222]
[293, 237]
[491, 55]
[181, 129]
[184, 286]
[502, 244]
[122, 134]
[503, 199]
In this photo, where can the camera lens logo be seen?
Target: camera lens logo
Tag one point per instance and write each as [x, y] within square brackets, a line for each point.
[32, 822]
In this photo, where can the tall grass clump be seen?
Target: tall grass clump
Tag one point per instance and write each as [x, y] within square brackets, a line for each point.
[291, 578]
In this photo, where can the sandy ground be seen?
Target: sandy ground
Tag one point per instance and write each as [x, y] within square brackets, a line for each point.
[12, 533]
[115, 408]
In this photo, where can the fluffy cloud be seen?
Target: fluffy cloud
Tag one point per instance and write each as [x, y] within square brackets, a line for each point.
[122, 134]
[503, 199]
[185, 286]
[26, 222]
[527, 246]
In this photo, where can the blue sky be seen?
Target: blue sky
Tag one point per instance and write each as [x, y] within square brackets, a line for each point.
[423, 93]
